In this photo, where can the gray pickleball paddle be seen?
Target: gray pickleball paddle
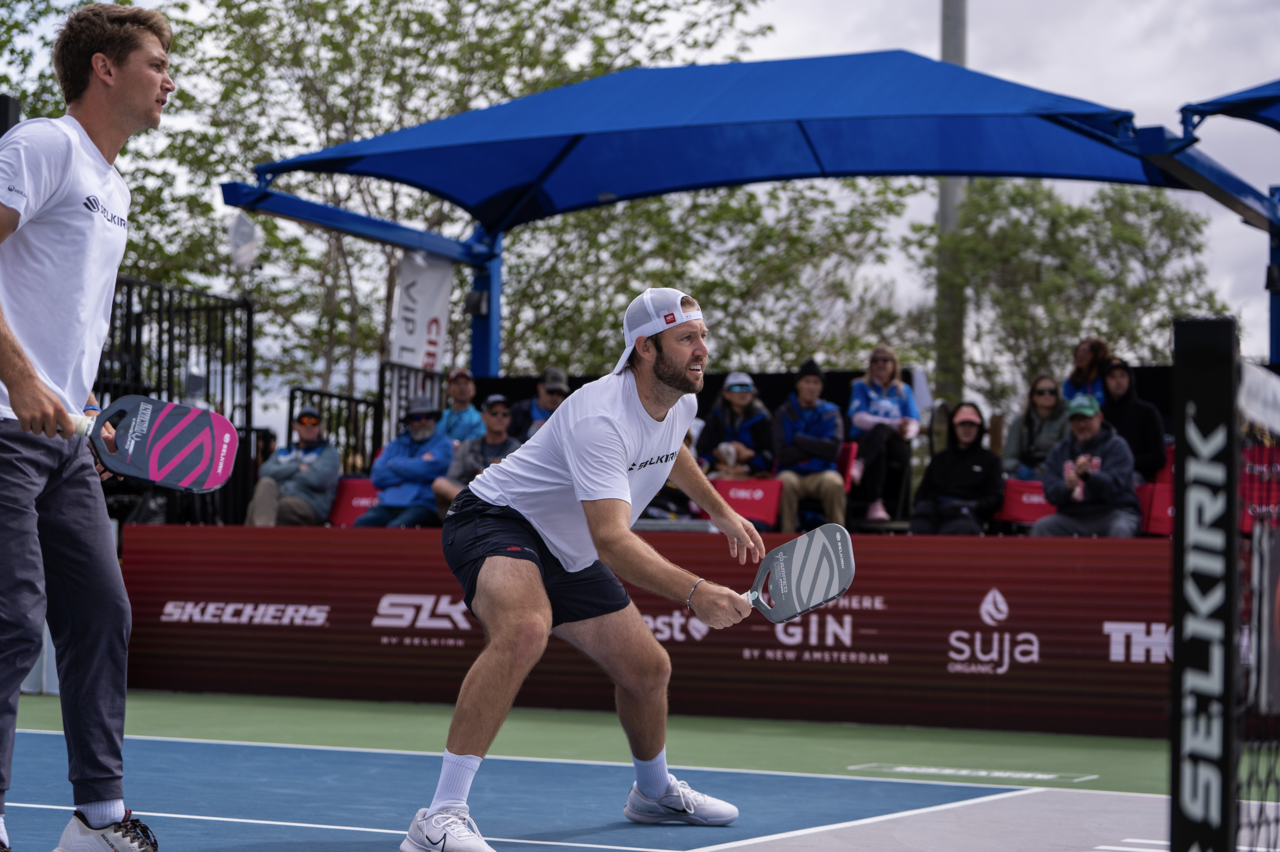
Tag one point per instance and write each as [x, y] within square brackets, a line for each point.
[804, 573]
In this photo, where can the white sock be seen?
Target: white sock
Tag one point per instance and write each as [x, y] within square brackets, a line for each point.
[455, 780]
[4, 835]
[651, 775]
[104, 813]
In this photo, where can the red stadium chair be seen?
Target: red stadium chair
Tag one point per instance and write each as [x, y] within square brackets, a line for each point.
[355, 495]
[754, 499]
[1165, 475]
[1024, 503]
[1157, 508]
[844, 463]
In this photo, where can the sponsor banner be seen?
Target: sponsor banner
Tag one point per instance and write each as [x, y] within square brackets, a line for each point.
[1010, 633]
[420, 319]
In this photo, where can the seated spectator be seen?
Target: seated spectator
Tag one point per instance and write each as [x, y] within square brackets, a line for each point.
[528, 415]
[404, 472]
[1089, 478]
[1092, 355]
[1030, 437]
[461, 422]
[883, 420]
[737, 440]
[963, 485]
[806, 443]
[475, 454]
[296, 485]
[1135, 420]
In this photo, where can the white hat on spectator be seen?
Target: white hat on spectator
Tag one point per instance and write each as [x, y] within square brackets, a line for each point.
[739, 379]
[652, 312]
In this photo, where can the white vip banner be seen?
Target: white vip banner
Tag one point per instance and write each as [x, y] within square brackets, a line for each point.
[420, 319]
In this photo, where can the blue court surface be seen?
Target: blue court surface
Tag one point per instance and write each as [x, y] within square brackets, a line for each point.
[200, 795]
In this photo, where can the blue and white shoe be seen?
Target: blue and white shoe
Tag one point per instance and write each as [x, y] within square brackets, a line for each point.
[681, 803]
[446, 830]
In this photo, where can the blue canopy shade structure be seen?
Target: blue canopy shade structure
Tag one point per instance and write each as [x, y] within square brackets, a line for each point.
[648, 131]
[1260, 104]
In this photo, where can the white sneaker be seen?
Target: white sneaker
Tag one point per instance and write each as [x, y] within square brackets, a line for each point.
[680, 803]
[446, 830]
[128, 835]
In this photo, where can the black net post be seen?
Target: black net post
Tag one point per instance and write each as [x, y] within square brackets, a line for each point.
[1206, 659]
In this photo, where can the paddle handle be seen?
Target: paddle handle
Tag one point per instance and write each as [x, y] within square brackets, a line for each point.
[750, 597]
[84, 424]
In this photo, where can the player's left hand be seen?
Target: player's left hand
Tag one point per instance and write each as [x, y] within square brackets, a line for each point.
[744, 540]
[108, 438]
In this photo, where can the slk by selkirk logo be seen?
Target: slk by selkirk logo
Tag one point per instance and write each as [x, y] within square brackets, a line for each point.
[968, 655]
[93, 205]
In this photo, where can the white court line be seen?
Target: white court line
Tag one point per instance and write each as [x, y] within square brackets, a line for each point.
[1122, 849]
[1140, 840]
[344, 828]
[869, 820]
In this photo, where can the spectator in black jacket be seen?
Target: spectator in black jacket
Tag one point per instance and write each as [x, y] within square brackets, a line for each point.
[528, 415]
[963, 485]
[737, 441]
[1135, 420]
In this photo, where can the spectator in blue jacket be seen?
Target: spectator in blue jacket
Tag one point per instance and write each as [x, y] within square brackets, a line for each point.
[1092, 355]
[461, 421]
[296, 485]
[737, 440]
[807, 431]
[404, 472]
[1089, 478]
[883, 420]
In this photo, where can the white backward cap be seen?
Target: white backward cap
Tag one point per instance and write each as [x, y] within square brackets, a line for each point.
[655, 310]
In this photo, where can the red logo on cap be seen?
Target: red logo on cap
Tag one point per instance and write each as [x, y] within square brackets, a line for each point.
[670, 318]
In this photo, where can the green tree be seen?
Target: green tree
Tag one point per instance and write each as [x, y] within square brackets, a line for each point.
[1043, 272]
[779, 272]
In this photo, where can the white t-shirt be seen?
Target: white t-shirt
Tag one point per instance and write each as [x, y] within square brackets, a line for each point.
[58, 269]
[600, 444]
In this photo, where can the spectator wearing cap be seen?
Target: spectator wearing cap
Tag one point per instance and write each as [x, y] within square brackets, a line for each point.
[528, 415]
[461, 421]
[1031, 436]
[475, 454]
[1134, 419]
[296, 484]
[404, 472]
[737, 440]
[806, 442]
[1088, 476]
[963, 485]
[883, 420]
[1092, 355]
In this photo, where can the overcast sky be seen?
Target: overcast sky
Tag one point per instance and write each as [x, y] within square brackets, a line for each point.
[1146, 56]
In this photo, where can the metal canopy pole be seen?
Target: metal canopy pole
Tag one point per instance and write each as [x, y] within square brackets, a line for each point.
[951, 300]
[484, 303]
[1273, 281]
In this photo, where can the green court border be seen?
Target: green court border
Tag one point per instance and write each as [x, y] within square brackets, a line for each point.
[1122, 764]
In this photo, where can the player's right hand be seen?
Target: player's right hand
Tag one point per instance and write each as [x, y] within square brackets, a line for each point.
[717, 606]
[39, 410]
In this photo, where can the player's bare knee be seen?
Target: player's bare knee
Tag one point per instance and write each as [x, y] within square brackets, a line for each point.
[648, 674]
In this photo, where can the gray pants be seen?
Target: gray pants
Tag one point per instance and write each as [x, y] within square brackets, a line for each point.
[58, 562]
[1120, 523]
[268, 508]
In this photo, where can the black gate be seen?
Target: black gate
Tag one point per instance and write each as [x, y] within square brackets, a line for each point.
[190, 347]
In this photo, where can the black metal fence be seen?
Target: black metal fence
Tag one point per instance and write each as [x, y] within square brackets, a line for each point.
[190, 347]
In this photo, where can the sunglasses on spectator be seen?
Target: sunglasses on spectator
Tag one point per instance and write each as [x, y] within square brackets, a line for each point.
[418, 418]
[881, 360]
[557, 392]
[1046, 391]
[739, 388]
[309, 420]
[500, 413]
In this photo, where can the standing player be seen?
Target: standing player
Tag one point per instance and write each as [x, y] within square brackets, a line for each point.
[530, 540]
[63, 227]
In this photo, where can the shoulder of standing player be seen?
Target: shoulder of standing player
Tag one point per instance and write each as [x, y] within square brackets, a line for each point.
[33, 162]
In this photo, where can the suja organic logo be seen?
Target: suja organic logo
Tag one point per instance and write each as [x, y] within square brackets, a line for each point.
[993, 653]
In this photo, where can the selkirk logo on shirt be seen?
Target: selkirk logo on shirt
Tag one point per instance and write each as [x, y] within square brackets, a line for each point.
[93, 205]
[669, 457]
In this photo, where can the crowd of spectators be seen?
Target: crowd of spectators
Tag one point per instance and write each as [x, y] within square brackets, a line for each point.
[1089, 441]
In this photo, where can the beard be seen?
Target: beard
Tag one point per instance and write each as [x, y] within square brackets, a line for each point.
[672, 374]
[422, 432]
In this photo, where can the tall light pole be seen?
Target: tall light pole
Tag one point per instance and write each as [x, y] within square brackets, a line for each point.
[951, 301]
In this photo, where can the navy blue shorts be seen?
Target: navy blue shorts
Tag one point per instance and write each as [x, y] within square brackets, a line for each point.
[475, 530]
